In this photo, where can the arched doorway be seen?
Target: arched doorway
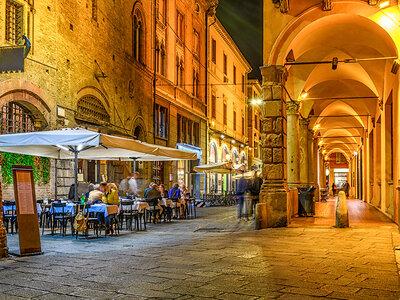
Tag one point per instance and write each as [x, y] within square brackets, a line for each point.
[138, 133]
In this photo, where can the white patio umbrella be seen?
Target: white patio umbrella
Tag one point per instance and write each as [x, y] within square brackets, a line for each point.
[86, 144]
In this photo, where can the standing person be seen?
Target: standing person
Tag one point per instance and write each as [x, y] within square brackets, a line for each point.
[133, 184]
[346, 188]
[255, 191]
[333, 189]
[242, 188]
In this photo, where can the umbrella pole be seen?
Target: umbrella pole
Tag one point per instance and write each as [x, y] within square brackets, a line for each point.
[56, 179]
[134, 165]
[76, 174]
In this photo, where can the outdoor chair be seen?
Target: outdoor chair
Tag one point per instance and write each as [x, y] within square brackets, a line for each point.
[153, 211]
[60, 218]
[10, 216]
[128, 214]
[91, 222]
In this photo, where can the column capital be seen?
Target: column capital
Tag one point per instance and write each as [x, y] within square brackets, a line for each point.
[304, 122]
[272, 75]
[292, 107]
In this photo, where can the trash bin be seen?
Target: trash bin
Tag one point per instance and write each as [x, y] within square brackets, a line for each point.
[306, 201]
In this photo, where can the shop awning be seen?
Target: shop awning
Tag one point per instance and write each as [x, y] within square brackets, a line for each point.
[217, 168]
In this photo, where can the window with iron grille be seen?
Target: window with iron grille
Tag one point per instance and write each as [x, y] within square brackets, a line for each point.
[91, 107]
[14, 22]
[15, 119]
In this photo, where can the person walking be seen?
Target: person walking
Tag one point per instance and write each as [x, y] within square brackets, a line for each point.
[133, 184]
[333, 189]
[255, 192]
[346, 188]
[242, 188]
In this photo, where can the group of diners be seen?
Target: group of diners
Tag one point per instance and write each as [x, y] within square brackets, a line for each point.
[155, 204]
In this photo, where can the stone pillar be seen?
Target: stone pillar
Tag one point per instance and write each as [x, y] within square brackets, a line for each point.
[304, 154]
[272, 209]
[3, 233]
[293, 175]
[310, 136]
[315, 162]
[322, 174]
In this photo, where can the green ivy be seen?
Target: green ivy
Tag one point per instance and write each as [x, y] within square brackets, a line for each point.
[41, 166]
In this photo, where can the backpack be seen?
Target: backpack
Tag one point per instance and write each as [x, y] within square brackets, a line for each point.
[80, 222]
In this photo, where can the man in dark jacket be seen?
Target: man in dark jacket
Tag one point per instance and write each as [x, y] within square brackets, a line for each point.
[242, 188]
[255, 191]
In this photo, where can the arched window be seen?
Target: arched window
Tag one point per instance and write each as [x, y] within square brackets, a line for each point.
[92, 108]
[15, 119]
[160, 58]
[225, 155]
[179, 72]
[138, 36]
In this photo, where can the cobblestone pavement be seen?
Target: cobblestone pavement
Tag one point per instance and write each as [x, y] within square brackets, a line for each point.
[211, 257]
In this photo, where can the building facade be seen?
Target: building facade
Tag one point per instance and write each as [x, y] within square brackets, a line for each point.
[254, 124]
[227, 109]
[130, 68]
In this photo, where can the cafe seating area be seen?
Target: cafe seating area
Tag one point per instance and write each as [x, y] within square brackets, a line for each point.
[56, 217]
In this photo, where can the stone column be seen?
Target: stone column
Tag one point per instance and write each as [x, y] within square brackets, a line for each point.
[272, 209]
[314, 165]
[310, 136]
[304, 154]
[293, 176]
[3, 232]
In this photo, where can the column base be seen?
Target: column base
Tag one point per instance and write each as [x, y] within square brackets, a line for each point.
[272, 209]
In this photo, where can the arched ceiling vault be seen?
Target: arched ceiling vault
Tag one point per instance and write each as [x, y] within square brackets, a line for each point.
[351, 92]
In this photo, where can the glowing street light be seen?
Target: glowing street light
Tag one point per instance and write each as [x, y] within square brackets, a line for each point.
[304, 95]
[384, 4]
[256, 101]
[355, 153]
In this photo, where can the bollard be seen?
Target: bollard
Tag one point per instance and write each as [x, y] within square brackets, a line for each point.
[342, 215]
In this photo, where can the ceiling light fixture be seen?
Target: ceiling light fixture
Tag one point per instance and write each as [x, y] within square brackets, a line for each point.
[304, 95]
[384, 4]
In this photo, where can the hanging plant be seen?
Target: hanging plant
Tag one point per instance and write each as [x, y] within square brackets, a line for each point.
[41, 166]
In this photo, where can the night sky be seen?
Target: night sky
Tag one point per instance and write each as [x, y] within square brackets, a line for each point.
[243, 20]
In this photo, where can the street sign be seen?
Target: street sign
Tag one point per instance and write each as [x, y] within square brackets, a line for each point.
[12, 59]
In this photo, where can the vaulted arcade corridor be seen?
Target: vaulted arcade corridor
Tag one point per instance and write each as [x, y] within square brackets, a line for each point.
[331, 102]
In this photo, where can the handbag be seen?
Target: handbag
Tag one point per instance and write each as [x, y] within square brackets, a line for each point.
[80, 222]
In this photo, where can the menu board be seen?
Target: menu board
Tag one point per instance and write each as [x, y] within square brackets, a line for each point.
[27, 217]
[25, 195]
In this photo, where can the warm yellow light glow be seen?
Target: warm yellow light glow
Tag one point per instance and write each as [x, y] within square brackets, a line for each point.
[326, 157]
[355, 153]
[222, 136]
[384, 4]
[317, 126]
[213, 123]
[228, 157]
[256, 101]
[320, 143]
[233, 141]
[323, 151]
[304, 95]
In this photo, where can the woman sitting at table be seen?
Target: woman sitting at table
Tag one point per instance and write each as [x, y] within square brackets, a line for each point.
[110, 197]
[110, 194]
[185, 194]
[163, 201]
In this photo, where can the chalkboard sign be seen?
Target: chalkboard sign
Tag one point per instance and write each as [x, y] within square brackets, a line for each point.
[27, 216]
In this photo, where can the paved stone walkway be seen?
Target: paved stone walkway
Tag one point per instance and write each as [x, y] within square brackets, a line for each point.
[211, 257]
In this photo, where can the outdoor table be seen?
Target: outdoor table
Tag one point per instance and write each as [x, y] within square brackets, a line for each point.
[139, 206]
[13, 207]
[104, 208]
[69, 209]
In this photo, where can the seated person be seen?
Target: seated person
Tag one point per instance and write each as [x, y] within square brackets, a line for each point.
[148, 189]
[95, 196]
[154, 194]
[110, 193]
[175, 192]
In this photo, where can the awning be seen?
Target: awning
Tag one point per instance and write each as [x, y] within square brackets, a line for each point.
[218, 168]
[62, 144]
